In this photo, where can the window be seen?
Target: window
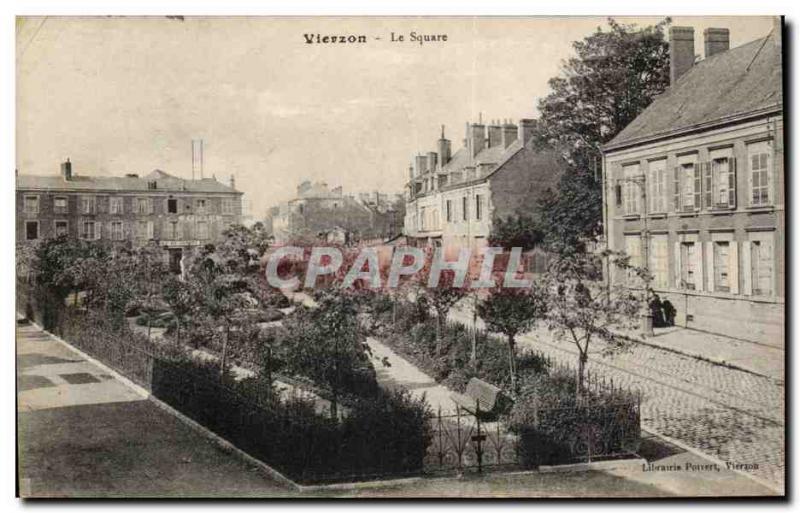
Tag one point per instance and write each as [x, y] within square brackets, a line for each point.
[144, 229]
[689, 271]
[202, 230]
[449, 210]
[659, 260]
[633, 248]
[478, 206]
[658, 185]
[117, 232]
[88, 230]
[87, 204]
[172, 206]
[144, 205]
[761, 266]
[31, 204]
[227, 206]
[687, 184]
[171, 229]
[60, 205]
[115, 205]
[465, 208]
[200, 205]
[31, 230]
[721, 266]
[61, 228]
[630, 189]
[759, 160]
[719, 179]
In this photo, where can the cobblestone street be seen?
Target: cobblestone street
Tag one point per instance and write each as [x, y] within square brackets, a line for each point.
[729, 414]
[732, 415]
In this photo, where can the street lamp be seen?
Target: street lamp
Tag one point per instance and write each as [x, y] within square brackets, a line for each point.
[647, 317]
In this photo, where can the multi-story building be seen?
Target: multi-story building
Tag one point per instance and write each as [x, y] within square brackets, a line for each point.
[319, 211]
[694, 187]
[453, 199]
[173, 212]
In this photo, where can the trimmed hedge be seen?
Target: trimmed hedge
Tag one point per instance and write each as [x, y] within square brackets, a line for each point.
[386, 436]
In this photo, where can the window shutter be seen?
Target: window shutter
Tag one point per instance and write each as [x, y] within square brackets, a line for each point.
[698, 266]
[709, 266]
[732, 182]
[150, 205]
[749, 172]
[150, 228]
[698, 186]
[747, 269]
[98, 230]
[733, 269]
[677, 183]
[678, 265]
[709, 173]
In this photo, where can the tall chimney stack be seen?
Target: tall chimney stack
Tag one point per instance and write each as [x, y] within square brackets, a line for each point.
[233, 182]
[509, 133]
[444, 150]
[495, 134]
[681, 52]
[716, 40]
[66, 170]
[525, 130]
[476, 137]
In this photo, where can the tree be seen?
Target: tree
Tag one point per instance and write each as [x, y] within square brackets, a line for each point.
[512, 311]
[582, 310]
[178, 295]
[442, 298]
[614, 75]
[516, 231]
[221, 294]
[325, 344]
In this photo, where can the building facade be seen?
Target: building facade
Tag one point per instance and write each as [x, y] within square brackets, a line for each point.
[453, 199]
[694, 187]
[319, 211]
[176, 214]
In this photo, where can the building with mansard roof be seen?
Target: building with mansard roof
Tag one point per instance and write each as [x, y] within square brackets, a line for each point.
[157, 208]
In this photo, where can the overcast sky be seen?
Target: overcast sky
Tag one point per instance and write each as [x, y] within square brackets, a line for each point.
[127, 95]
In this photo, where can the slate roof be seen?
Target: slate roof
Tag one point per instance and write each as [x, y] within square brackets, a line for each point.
[742, 81]
[165, 182]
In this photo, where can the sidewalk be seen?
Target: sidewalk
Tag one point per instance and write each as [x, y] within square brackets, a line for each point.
[83, 433]
[750, 356]
[757, 358]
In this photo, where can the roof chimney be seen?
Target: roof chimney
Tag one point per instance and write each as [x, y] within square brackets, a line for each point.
[525, 130]
[509, 134]
[66, 170]
[444, 150]
[233, 182]
[495, 134]
[716, 40]
[681, 52]
[476, 138]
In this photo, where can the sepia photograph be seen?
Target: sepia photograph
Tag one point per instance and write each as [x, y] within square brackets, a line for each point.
[408, 257]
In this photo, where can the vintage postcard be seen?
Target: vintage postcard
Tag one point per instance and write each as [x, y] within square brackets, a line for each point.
[408, 257]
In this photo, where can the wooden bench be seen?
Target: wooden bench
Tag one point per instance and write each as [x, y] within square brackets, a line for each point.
[481, 395]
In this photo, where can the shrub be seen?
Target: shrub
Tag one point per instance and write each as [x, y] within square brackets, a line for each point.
[554, 427]
[388, 434]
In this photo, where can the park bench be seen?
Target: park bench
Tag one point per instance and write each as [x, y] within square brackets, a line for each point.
[481, 397]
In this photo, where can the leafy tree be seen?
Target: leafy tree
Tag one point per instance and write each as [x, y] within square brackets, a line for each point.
[613, 76]
[517, 231]
[582, 310]
[178, 295]
[442, 298]
[325, 344]
[512, 311]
